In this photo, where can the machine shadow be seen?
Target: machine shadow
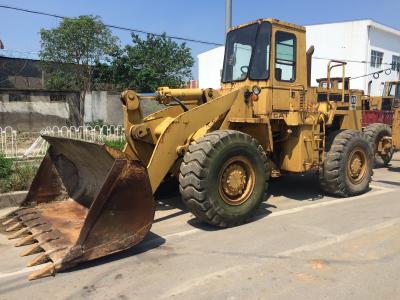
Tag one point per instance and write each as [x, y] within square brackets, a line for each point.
[262, 212]
[389, 182]
[151, 241]
[296, 187]
[302, 187]
[394, 169]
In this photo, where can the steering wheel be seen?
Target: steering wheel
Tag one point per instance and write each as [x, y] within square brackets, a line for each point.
[244, 69]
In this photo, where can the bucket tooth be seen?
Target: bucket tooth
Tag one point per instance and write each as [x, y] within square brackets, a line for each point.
[49, 270]
[25, 212]
[34, 223]
[22, 210]
[36, 248]
[9, 221]
[30, 239]
[22, 232]
[38, 260]
[29, 217]
[55, 250]
[14, 227]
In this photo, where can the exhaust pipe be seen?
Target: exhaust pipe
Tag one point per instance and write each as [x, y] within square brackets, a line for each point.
[309, 55]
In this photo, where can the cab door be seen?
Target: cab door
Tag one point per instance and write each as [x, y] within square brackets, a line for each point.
[288, 84]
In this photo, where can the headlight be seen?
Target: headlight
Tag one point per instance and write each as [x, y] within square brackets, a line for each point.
[256, 90]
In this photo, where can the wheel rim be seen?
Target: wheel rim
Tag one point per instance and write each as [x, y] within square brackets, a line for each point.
[236, 180]
[385, 156]
[357, 165]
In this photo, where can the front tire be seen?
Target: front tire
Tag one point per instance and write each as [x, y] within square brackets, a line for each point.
[347, 169]
[224, 177]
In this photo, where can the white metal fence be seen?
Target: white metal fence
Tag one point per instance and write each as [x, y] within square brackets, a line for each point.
[14, 144]
[8, 145]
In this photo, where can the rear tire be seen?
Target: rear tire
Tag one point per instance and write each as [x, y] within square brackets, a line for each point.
[224, 177]
[374, 133]
[347, 169]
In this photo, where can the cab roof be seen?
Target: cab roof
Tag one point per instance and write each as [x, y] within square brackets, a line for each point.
[273, 22]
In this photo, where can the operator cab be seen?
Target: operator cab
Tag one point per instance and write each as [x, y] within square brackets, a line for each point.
[393, 90]
[248, 52]
[271, 55]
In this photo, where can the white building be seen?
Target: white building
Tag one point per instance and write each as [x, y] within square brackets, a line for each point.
[366, 45]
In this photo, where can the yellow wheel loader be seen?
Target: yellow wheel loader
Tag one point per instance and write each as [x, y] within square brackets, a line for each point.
[378, 118]
[88, 200]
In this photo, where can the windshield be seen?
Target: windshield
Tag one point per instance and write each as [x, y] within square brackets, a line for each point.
[240, 45]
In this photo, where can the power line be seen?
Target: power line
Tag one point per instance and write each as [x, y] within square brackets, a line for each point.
[112, 26]
[351, 61]
[387, 71]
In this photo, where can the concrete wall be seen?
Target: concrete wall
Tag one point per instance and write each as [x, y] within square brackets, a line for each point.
[33, 110]
[106, 106]
[27, 110]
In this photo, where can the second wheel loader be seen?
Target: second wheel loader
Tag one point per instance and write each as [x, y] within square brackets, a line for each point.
[378, 118]
[88, 200]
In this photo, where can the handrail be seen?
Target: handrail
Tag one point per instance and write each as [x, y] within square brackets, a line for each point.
[338, 63]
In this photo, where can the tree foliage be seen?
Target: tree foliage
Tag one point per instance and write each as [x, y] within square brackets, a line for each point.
[150, 63]
[84, 41]
[70, 51]
[82, 54]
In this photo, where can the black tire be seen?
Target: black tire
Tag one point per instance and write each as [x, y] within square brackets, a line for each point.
[374, 133]
[334, 175]
[203, 167]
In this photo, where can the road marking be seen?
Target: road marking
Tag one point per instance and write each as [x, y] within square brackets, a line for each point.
[22, 271]
[201, 281]
[340, 238]
[383, 190]
[182, 233]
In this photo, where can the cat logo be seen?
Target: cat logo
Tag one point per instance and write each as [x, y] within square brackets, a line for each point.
[279, 115]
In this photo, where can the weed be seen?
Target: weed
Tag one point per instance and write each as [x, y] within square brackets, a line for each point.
[5, 166]
[19, 179]
[116, 144]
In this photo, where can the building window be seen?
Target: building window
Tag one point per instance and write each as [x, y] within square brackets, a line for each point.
[285, 62]
[18, 97]
[376, 59]
[396, 63]
[58, 98]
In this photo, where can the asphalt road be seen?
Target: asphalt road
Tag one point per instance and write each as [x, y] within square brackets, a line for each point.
[300, 245]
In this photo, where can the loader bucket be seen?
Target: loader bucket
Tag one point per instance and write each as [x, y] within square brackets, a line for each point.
[86, 201]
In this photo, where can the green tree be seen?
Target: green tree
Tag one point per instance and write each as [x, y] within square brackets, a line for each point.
[70, 51]
[150, 63]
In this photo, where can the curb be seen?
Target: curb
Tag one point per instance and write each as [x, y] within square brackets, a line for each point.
[12, 199]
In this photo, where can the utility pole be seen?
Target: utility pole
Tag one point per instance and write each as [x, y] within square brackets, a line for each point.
[228, 15]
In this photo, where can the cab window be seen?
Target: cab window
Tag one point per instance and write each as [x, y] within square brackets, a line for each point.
[285, 56]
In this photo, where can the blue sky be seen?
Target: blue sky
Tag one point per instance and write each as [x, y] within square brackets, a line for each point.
[202, 20]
